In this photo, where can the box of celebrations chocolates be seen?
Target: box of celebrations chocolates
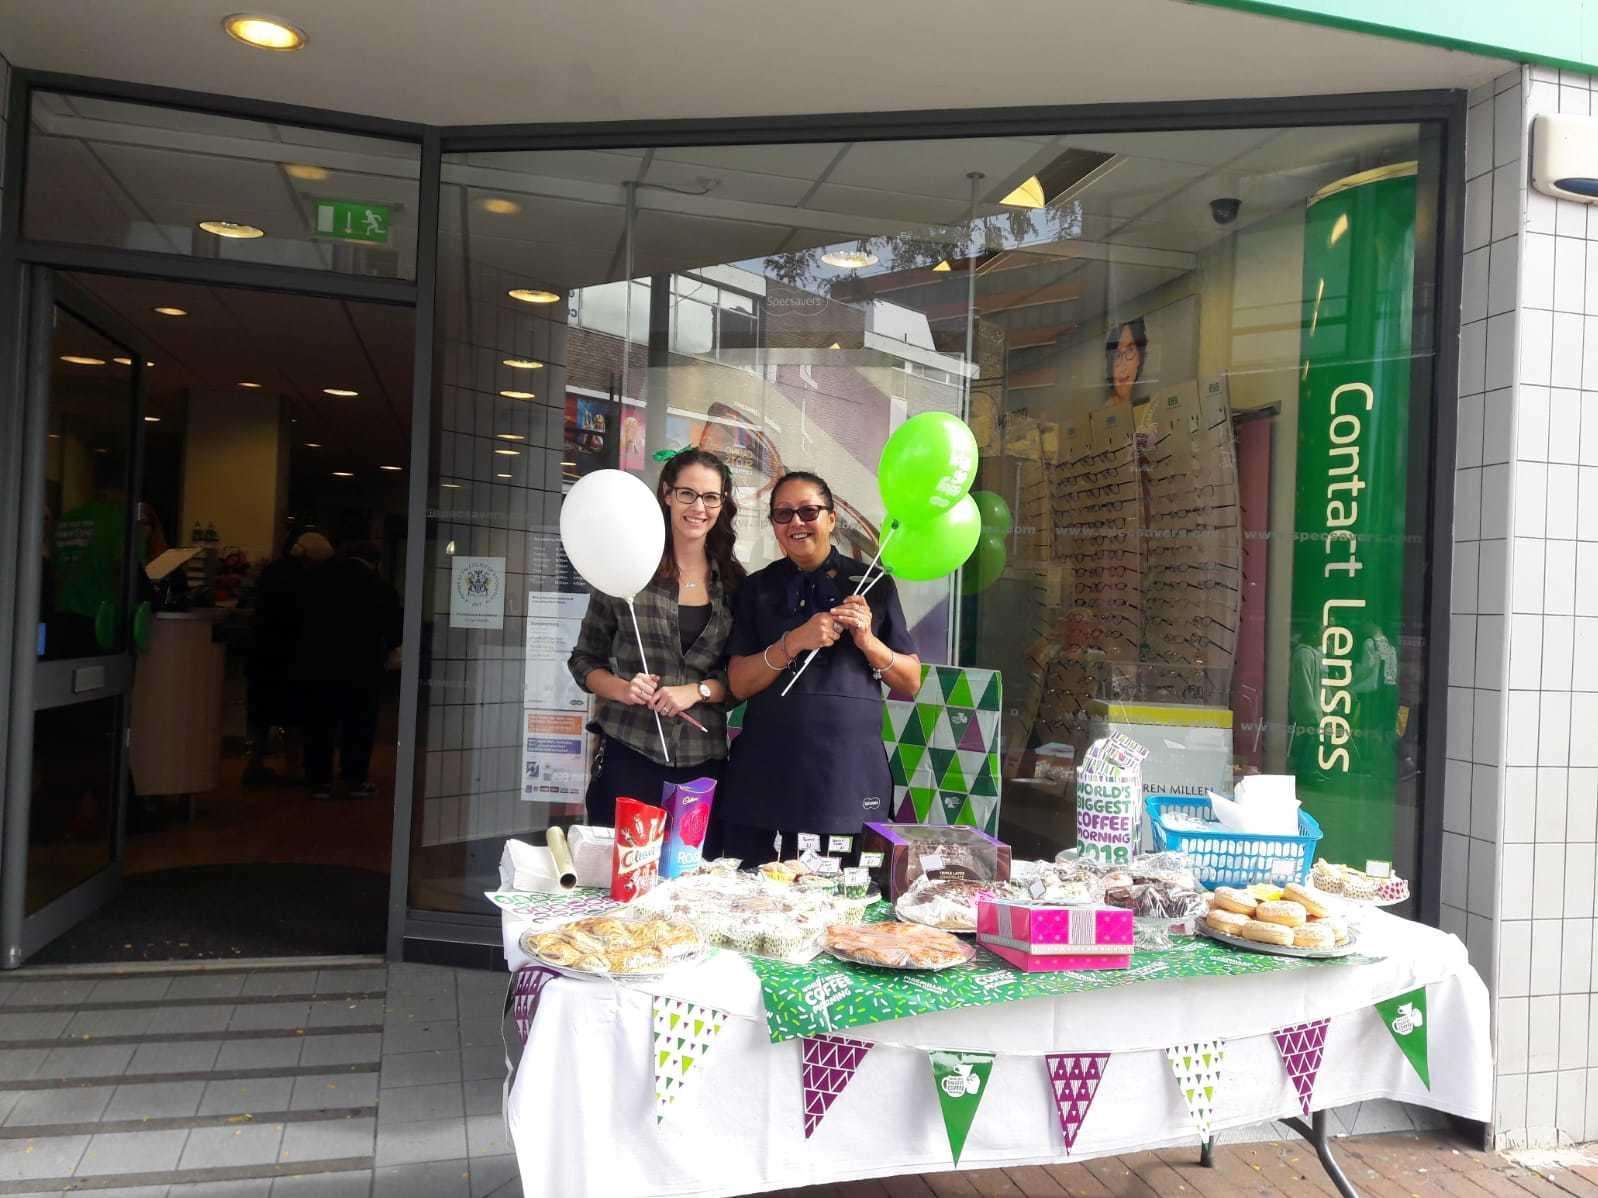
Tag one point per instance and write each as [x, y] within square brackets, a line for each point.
[1036, 938]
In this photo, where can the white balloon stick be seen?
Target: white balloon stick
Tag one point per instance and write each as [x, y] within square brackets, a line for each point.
[659, 727]
[860, 589]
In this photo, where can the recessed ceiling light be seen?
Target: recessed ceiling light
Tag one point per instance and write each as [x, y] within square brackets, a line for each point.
[152, 420]
[522, 363]
[943, 265]
[313, 445]
[391, 467]
[510, 436]
[509, 453]
[1028, 195]
[263, 32]
[251, 386]
[568, 463]
[501, 476]
[82, 360]
[500, 206]
[518, 395]
[232, 229]
[340, 392]
[306, 171]
[123, 361]
[167, 311]
[834, 345]
[55, 436]
[450, 487]
[849, 259]
[533, 295]
[343, 474]
[149, 363]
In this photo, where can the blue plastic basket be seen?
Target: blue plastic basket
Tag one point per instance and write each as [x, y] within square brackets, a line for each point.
[1223, 858]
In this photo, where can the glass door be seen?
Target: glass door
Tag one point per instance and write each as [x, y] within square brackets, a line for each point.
[79, 582]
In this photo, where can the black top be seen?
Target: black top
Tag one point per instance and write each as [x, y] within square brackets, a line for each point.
[691, 621]
[813, 760]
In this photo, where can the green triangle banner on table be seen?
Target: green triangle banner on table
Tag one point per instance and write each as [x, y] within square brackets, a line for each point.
[961, 1079]
[684, 1032]
[1404, 1016]
[1197, 1068]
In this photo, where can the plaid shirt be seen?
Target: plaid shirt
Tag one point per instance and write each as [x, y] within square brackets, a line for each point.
[606, 642]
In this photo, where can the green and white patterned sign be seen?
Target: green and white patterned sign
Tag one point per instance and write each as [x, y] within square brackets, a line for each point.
[943, 748]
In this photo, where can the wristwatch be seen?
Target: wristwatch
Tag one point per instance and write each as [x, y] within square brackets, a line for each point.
[704, 690]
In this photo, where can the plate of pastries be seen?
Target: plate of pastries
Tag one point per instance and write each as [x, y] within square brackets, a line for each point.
[1300, 923]
[617, 947]
[897, 945]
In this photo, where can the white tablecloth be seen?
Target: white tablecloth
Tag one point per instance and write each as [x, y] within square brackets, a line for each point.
[581, 1108]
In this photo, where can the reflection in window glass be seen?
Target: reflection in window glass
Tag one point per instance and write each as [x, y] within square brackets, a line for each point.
[1203, 530]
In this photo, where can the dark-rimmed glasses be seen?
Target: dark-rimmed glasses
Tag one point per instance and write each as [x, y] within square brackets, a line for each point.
[687, 496]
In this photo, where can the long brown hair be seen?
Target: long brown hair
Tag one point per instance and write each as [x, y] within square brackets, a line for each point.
[722, 537]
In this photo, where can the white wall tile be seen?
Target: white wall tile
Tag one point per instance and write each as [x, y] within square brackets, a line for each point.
[1591, 303]
[1519, 804]
[1586, 590]
[1558, 650]
[1485, 781]
[1542, 1042]
[1489, 664]
[1461, 724]
[1547, 883]
[1581, 807]
[1525, 652]
[1553, 800]
[1467, 504]
[1514, 881]
[1584, 729]
[1481, 891]
[1571, 1106]
[1570, 273]
[1506, 202]
[1531, 413]
[1559, 577]
[1497, 440]
[1570, 218]
[1514, 958]
[1574, 100]
[1509, 1103]
[1478, 139]
[1562, 502]
[1584, 655]
[1553, 735]
[1462, 651]
[1564, 424]
[1589, 429]
[1488, 716]
[1473, 285]
[1463, 596]
[1547, 940]
[1526, 587]
[1538, 361]
[1587, 483]
[1540, 213]
[1579, 880]
[1536, 281]
[1507, 120]
[1473, 356]
[1456, 869]
[1531, 497]
[1457, 797]
[1481, 945]
[1495, 502]
[1479, 212]
[1513, 1028]
[1575, 971]
[1520, 729]
[1569, 351]
[1454, 921]
[1467, 450]
[1492, 589]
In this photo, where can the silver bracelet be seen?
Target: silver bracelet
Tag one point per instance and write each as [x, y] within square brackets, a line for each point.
[879, 671]
[767, 660]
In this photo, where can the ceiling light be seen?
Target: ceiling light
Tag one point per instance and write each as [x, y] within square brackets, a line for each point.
[1057, 181]
[834, 345]
[313, 445]
[509, 453]
[500, 206]
[82, 360]
[451, 487]
[166, 311]
[232, 229]
[568, 463]
[343, 474]
[450, 548]
[532, 295]
[850, 259]
[391, 467]
[262, 32]
[1028, 195]
[251, 386]
[510, 436]
[149, 363]
[522, 363]
[518, 395]
[306, 171]
[501, 476]
[123, 361]
[944, 265]
[152, 420]
[340, 392]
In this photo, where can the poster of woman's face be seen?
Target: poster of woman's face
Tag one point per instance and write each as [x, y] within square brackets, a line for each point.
[1126, 350]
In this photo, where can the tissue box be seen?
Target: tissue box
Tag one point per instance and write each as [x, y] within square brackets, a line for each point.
[966, 853]
[592, 849]
[1039, 938]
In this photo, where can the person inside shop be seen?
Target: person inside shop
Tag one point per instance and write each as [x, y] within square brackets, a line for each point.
[275, 603]
[811, 760]
[684, 617]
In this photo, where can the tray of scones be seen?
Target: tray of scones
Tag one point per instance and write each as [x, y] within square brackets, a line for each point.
[617, 946]
[1301, 923]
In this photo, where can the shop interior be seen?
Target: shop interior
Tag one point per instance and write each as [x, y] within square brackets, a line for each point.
[268, 421]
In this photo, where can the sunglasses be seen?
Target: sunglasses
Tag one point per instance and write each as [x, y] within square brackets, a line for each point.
[807, 514]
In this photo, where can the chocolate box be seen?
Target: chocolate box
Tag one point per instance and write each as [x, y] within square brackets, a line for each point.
[1036, 938]
[966, 852]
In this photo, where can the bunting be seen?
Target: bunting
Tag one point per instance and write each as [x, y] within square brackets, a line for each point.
[1197, 1068]
[828, 1063]
[1074, 1078]
[684, 1032]
[1302, 1046]
[961, 1079]
[1404, 1016]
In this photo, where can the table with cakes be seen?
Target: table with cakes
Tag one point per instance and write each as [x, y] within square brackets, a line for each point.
[914, 999]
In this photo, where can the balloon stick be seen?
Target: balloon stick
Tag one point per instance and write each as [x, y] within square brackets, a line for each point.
[861, 588]
[659, 727]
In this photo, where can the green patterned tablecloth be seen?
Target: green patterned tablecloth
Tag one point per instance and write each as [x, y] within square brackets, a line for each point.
[829, 995]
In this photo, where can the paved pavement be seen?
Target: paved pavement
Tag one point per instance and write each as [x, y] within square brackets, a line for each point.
[352, 1079]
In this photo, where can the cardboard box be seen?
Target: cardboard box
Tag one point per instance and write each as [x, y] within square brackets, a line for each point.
[1040, 938]
[966, 852]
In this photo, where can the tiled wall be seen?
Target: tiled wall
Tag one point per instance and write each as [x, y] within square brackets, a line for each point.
[1521, 793]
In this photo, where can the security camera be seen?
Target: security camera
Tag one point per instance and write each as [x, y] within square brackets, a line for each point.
[1225, 209]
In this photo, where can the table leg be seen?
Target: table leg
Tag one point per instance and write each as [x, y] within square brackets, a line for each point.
[1207, 1153]
[1315, 1133]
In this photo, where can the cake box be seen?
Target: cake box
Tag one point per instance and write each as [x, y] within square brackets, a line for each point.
[946, 850]
[1037, 938]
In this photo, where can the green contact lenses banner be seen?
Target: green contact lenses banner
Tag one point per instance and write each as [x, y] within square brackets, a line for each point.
[1352, 485]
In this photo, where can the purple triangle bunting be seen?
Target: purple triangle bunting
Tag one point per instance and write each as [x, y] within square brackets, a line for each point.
[526, 988]
[1074, 1079]
[1302, 1047]
[827, 1065]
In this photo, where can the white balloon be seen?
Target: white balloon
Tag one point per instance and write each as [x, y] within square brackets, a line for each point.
[613, 530]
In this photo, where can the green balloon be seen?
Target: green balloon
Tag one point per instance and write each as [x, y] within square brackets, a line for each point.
[926, 467]
[995, 512]
[986, 564]
[920, 552]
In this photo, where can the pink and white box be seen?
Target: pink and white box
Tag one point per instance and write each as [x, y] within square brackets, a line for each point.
[1036, 939]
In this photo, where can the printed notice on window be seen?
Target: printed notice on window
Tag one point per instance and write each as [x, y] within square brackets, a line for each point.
[555, 709]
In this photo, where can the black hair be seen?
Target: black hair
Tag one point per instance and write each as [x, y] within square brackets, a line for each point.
[1140, 338]
[722, 538]
[802, 476]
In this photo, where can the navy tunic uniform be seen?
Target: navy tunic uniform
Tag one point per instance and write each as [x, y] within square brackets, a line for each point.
[813, 760]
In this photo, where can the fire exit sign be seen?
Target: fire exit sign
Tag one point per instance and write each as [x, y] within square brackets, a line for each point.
[352, 221]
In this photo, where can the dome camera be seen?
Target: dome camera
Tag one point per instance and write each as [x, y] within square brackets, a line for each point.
[1225, 209]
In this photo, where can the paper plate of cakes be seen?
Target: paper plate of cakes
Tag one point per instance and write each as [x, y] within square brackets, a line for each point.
[1301, 923]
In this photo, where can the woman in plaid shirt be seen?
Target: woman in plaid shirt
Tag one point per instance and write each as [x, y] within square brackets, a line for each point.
[685, 617]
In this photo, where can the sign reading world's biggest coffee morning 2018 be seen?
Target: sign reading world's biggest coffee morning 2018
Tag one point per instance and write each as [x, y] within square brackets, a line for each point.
[1352, 490]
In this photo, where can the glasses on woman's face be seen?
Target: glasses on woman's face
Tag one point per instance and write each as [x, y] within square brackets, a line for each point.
[687, 496]
[807, 513]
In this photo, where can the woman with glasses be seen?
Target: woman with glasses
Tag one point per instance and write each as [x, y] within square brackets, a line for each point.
[684, 617]
[811, 760]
